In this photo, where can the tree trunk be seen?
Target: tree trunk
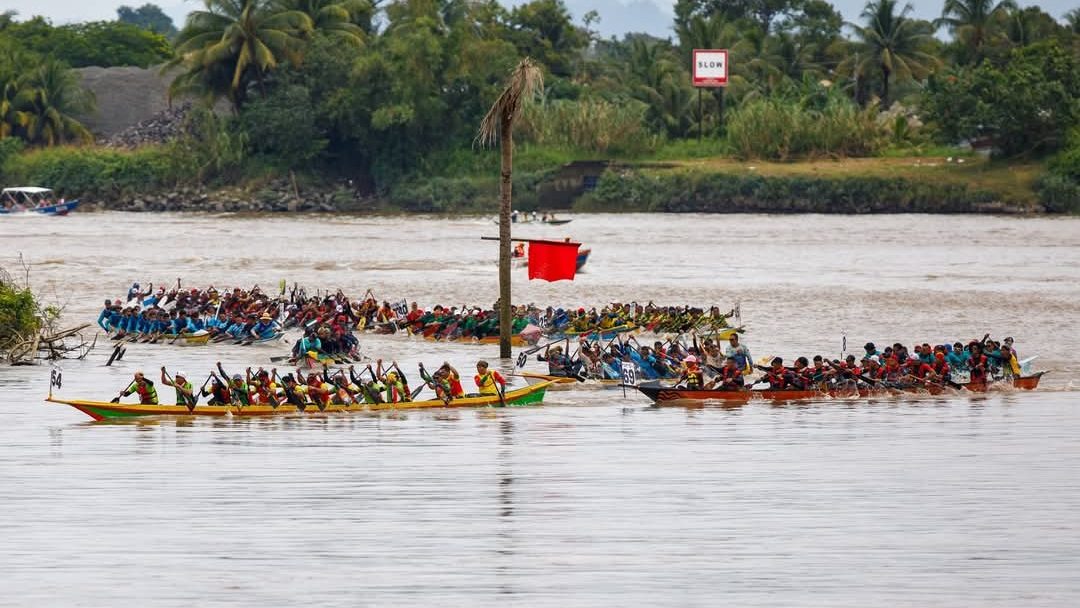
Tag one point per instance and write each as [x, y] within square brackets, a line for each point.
[506, 146]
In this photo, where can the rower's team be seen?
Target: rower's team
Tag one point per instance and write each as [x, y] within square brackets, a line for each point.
[237, 313]
[703, 367]
[383, 385]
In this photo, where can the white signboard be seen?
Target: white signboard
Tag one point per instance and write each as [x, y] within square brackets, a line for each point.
[629, 373]
[710, 68]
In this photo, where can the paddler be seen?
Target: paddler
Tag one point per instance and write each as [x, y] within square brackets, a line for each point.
[450, 375]
[740, 353]
[144, 387]
[219, 391]
[486, 379]
[691, 374]
[184, 393]
[728, 378]
[266, 328]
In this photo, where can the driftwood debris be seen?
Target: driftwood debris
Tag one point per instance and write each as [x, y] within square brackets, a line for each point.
[50, 346]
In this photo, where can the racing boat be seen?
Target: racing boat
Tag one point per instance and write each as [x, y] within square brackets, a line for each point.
[103, 410]
[664, 394]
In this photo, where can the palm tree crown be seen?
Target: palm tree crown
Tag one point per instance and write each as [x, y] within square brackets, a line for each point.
[891, 44]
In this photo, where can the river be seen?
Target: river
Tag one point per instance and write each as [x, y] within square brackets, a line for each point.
[595, 499]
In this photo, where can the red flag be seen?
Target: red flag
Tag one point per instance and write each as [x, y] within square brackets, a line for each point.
[552, 261]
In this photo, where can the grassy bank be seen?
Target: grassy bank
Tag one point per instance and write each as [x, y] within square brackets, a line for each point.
[675, 177]
[867, 185]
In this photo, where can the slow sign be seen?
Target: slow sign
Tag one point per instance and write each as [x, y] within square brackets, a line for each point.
[710, 68]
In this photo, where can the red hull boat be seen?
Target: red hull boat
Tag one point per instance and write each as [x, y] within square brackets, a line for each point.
[662, 394]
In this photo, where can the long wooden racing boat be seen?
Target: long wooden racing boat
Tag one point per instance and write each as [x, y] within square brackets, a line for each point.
[662, 394]
[103, 410]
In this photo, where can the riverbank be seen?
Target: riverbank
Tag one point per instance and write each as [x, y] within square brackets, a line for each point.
[149, 179]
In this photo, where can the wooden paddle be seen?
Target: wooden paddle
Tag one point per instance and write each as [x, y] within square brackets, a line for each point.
[499, 392]
[116, 351]
[116, 399]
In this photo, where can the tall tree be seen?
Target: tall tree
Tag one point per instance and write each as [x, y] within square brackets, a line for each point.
[498, 125]
[542, 29]
[148, 16]
[972, 23]
[46, 103]
[890, 44]
[234, 43]
[1072, 18]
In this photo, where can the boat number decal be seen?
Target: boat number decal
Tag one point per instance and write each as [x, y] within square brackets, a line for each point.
[56, 378]
[522, 358]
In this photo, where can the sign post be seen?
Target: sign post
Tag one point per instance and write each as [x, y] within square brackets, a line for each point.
[709, 70]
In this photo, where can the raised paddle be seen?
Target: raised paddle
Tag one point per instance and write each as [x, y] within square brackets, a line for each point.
[428, 382]
[116, 399]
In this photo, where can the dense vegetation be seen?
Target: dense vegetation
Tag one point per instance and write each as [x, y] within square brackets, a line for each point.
[390, 94]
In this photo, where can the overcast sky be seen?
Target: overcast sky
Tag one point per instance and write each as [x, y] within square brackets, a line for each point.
[616, 16]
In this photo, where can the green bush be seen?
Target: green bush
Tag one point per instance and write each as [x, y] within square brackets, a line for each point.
[786, 129]
[590, 125]
[17, 312]
[94, 172]
[709, 192]
[1059, 193]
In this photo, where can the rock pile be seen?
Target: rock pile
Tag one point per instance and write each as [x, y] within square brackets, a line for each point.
[159, 128]
[277, 196]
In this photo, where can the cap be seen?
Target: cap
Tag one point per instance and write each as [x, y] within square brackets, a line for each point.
[690, 359]
[180, 374]
[875, 359]
[237, 377]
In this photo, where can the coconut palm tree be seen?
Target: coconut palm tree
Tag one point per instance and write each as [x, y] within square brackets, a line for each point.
[233, 43]
[972, 21]
[335, 18]
[526, 82]
[890, 45]
[1072, 19]
[46, 101]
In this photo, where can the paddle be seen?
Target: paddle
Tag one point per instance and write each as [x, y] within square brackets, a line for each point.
[116, 351]
[426, 378]
[116, 399]
[203, 387]
[499, 392]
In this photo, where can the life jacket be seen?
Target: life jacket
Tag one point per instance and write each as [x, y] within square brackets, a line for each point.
[730, 376]
[222, 394]
[147, 393]
[693, 378]
[182, 398]
[486, 384]
[777, 380]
